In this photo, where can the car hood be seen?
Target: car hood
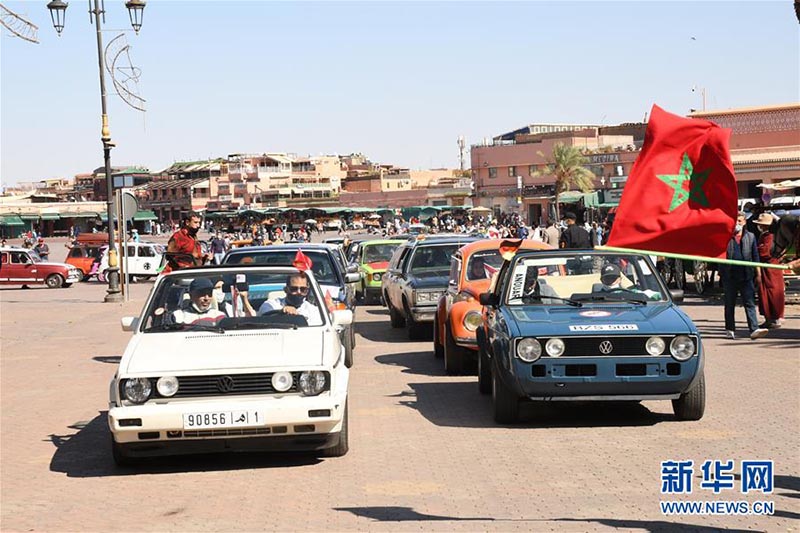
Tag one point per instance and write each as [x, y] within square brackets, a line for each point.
[643, 320]
[429, 280]
[53, 264]
[377, 266]
[182, 352]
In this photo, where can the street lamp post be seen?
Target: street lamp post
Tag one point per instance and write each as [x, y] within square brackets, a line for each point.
[58, 9]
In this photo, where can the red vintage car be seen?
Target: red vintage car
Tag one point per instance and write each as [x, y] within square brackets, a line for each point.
[20, 266]
[459, 314]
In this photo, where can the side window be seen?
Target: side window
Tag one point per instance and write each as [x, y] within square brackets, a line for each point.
[131, 251]
[407, 253]
[354, 252]
[77, 252]
[146, 251]
[4, 259]
[394, 263]
[19, 258]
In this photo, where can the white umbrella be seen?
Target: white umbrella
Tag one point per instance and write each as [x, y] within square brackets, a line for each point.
[480, 209]
[310, 221]
[374, 216]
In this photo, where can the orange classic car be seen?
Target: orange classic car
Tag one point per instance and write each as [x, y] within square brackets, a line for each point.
[459, 314]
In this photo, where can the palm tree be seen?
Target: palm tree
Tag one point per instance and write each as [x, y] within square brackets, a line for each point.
[567, 165]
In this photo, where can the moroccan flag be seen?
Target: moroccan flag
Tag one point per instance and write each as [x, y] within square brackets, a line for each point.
[301, 261]
[681, 193]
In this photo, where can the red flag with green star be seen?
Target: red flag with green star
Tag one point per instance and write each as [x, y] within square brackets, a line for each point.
[681, 194]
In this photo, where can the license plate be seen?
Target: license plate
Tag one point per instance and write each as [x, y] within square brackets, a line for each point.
[222, 419]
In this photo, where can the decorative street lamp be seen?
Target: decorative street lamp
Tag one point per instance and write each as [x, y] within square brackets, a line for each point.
[58, 9]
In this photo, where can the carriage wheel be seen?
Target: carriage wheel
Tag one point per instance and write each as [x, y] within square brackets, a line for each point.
[700, 276]
[680, 275]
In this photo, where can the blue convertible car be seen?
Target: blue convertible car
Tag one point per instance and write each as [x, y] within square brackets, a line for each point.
[567, 325]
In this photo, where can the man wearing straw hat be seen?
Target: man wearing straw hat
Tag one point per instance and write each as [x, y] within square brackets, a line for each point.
[771, 290]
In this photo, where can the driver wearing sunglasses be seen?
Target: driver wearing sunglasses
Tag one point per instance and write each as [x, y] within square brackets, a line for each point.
[295, 302]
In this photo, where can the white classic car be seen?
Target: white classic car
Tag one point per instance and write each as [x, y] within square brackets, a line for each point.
[215, 364]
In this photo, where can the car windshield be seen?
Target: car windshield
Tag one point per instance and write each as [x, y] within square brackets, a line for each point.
[230, 300]
[323, 268]
[602, 278]
[483, 264]
[433, 257]
[378, 253]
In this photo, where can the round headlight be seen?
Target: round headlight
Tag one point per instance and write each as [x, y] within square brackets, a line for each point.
[554, 347]
[312, 382]
[282, 381]
[655, 345]
[682, 348]
[472, 320]
[167, 386]
[376, 276]
[529, 350]
[137, 390]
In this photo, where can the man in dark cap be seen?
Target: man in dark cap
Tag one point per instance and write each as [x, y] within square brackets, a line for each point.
[574, 236]
[611, 281]
[198, 310]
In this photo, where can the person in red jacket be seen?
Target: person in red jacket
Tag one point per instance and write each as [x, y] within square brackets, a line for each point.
[183, 246]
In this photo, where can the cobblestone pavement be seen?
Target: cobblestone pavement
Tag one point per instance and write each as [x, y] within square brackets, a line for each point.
[425, 453]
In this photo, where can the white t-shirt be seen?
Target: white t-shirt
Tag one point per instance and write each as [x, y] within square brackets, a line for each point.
[307, 309]
[192, 315]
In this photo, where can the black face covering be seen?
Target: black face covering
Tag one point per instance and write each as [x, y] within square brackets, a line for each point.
[192, 231]
[295, 300]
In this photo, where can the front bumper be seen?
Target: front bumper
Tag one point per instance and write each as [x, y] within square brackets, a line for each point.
[74, 276]
[423, 314]
[602, 378]
[286, 418]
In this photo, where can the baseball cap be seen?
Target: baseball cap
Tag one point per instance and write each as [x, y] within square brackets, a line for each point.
[570, 215]
[201, 284]
[609, 272]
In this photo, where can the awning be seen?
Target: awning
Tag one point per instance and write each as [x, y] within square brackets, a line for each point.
[79, 215]
[11, 220]
[29, 216]
[591, 199]
[570, 197]
[50, 216]
[145, 214]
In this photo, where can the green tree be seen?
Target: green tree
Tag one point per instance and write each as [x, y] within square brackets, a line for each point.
[566, 165]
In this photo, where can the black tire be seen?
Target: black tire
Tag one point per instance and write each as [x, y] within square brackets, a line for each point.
[398, 321]
[54, 281]
[343, 445]
[692, 404]
[82, 276]
[700, 276]
[416, 331]
[66, 285]
[120, 457]
[438, 347]
[505, 402]
[454, 356]
[484, 366]
[347, 342]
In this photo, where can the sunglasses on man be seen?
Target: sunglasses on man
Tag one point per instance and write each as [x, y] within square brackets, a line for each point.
[297, 290]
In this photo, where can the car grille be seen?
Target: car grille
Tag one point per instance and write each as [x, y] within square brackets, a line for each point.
[230, 385]
[626, 345]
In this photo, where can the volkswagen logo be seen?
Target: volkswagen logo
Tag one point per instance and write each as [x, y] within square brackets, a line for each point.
[225, 384]
[606, 347]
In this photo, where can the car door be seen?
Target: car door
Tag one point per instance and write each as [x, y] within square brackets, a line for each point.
[22, 268]
[133, 260]
[389, 283]
[453, 282]
[148, 259]
[5, 266]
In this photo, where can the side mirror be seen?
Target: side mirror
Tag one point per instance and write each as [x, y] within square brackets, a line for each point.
[352, 267]
[677, 295]
[129, 323]
[342, 317]
[488, 298]
[452, 283]
[352, 277]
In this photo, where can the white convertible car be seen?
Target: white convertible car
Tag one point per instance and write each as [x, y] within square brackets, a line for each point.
[214, 365]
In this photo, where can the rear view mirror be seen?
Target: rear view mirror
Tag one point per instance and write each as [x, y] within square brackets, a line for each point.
[677, 295]
[342, 317]
[352, 277]
[129, 323]
[488, 298]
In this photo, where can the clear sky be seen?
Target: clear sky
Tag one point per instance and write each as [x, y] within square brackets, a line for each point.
[397, 81]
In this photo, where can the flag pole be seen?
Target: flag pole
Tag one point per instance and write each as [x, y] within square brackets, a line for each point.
[693, 257]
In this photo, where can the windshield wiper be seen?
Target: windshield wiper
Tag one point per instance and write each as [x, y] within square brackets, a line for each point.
[540, 297]
[253, 324]
[186, 327]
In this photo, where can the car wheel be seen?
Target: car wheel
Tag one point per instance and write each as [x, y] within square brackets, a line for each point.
[416, 331]
[453, 353]
[396, 318]
[692, 404]
[506, 403]
[120, 457]
[347, 342]
[81, 276]
[484, 366]
[438, 348]
[343, 445]
[54, 281]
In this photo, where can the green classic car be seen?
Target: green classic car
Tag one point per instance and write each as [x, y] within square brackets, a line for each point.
[372, 258]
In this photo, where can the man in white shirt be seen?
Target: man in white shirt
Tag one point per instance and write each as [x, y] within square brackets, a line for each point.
[294, 303]
[199, 309]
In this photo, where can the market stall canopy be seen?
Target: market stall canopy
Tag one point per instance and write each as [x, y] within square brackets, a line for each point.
[570, 197]
[78, 215]
[480, 209]
[50, 216]
[145, 215]
[784, 185]
[11, 220]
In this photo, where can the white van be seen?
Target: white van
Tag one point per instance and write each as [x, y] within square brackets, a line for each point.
[144, 260]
